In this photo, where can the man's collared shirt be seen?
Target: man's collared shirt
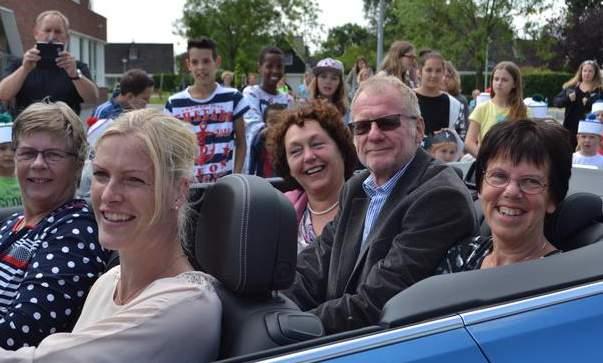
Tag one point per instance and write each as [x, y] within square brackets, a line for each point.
[378, 195]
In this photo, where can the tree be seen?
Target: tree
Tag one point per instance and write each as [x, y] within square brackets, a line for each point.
[347, 42]
[460, 29]
[242, 27]
[581, 32]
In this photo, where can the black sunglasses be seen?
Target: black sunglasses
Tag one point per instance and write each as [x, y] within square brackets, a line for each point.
[385, 123]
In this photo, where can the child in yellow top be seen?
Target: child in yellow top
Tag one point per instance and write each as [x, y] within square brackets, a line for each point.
[506, 104]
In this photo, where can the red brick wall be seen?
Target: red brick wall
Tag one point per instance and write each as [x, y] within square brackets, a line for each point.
[81, 19]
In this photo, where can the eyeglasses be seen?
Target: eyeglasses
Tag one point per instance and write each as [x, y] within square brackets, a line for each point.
[385, 123]
[51, 156]
[409, 56]
[528, 184]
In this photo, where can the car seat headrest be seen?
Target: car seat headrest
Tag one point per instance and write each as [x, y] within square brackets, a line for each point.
[246, 235]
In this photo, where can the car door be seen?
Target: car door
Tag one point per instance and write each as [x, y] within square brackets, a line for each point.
[566, 326]
[442, 340]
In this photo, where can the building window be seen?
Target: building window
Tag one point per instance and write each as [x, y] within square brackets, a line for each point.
[3, 39]
[288, 59]
[133, 52]
[82, 50]
[10, 41]
[92, 59]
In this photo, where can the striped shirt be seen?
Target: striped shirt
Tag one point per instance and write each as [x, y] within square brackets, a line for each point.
[212, 120]
[259, 100]
[378, 195]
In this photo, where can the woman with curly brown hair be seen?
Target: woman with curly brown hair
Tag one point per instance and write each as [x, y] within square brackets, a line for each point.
[313, 149]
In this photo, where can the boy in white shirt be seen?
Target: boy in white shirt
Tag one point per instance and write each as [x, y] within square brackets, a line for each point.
[589, 137]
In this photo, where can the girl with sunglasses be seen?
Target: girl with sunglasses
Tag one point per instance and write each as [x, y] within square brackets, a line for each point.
[578, 95]
[401, 62]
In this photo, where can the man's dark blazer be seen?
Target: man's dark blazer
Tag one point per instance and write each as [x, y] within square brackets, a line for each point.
[345, 285]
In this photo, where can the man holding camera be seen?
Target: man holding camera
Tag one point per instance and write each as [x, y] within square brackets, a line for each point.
[48, 70]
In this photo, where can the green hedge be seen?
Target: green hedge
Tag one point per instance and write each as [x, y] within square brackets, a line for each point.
[468, 84]
[546, 83]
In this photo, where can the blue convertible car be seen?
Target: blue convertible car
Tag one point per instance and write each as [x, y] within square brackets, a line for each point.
[544, 310]
[548, 310]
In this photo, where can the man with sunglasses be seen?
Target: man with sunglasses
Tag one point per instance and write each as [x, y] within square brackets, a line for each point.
[397, 218]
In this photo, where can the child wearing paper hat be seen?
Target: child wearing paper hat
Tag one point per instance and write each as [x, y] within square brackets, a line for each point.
[10, 196]
[597, 109]
[589, 137]
[445, 145]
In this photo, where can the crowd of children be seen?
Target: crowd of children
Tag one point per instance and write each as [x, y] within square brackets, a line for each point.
[231, 125]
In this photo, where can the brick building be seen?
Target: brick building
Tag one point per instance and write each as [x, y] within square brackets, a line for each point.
[88, 30]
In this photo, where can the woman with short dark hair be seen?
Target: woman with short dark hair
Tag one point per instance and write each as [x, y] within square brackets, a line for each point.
[522, 173]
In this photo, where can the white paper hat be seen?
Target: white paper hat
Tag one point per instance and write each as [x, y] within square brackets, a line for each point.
[6, 131]
[328, 64]
[597, 106]
[590, 127]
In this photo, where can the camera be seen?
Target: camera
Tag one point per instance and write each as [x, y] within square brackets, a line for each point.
[49, 53]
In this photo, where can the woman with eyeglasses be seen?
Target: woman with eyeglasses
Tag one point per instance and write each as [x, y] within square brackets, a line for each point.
[522, 173]
[313, 150]
[49, 254]
[579, 94]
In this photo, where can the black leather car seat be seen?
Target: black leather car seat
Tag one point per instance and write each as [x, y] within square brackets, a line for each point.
[577, 222]
[246, 237]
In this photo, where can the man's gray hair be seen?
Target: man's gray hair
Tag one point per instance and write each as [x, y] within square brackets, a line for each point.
[380, 84]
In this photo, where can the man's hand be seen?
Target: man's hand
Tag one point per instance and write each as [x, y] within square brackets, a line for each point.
[67, 62]
[30, 59]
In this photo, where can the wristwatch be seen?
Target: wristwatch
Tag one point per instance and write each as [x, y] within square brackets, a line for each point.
[77, 76]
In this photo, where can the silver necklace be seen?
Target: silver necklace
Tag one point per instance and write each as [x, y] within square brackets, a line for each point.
[319, 213]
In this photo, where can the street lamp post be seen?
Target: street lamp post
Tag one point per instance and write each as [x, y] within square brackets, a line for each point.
[380, 33]
[486, 66]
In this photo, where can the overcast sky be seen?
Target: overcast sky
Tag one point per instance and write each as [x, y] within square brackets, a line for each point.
[151, 21]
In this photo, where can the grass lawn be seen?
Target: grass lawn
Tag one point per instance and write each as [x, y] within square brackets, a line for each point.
[159, 98]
